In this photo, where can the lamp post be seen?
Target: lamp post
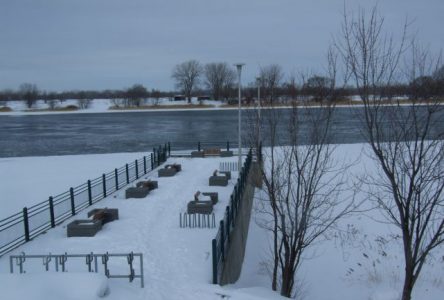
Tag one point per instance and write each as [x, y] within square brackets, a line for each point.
[239, 152]
[258, 80]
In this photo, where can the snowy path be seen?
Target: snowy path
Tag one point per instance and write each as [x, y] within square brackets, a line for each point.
[177, 261]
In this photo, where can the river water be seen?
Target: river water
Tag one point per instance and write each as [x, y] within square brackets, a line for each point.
[65, 134]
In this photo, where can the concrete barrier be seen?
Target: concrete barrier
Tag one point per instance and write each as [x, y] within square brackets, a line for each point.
[232, 265]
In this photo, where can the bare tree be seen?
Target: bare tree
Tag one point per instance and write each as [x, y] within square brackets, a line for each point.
[219, 78]
[29, 93]
[187, 75]
[135, 95]
[406, 141]
[271, 77]
[302, 182]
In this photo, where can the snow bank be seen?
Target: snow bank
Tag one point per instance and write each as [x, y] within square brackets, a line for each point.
[53, 286]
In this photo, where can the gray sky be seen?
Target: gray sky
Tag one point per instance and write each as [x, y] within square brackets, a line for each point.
[100, 44]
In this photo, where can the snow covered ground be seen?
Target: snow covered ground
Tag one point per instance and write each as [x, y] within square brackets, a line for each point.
[363, 261]
[177, 261]
[100, 106]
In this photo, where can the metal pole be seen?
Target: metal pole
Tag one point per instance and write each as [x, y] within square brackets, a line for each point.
[259, 109]
[239, 152]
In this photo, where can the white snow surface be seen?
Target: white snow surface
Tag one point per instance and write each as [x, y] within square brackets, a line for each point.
[26, 181]
[177, 261]
[41, 107]
[53, 286]
[363, 261]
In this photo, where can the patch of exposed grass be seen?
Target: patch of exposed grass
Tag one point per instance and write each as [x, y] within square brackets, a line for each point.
[5, 109]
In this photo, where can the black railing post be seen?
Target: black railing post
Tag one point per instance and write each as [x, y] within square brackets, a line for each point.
[144, 164]
[214, 250]
[198, 146]
[127, 173]
[51, 211]
[154, 157]
[222, 239]
[228, 222]
[136, 164]
[228, 145]
[73, 205]
[26, 223]
[152, 161]
[104, 185]
[89, 193]
[116, 176]
[169, 149]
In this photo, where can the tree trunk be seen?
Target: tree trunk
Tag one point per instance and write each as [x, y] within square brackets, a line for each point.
[287, 278]
[408, 282]
[276, 256]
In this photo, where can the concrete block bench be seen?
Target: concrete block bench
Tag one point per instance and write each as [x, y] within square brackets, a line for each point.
[136, 192]
[83, 228]
[170, 170]
[200, 207]
[202, 203]
[213, 196]
[212, 152]
[197, 154]
[105, 215]
[150, 184]
[219, 179]
[226, 153]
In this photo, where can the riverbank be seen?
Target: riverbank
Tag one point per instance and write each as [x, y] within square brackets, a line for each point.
[18, 108]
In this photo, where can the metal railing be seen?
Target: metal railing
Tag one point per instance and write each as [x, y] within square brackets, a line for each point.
[221, 242]
[60, 263]
[32, 221]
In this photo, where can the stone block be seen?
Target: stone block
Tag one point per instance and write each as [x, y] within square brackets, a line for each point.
[105, 215]
[200, 207]
[226, 153]
[213, 196]
[150, 184]
[218, 180]
[136, 192]
[83, 228]
[197, 154]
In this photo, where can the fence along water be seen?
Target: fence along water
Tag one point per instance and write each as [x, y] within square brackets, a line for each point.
[221, 242]
[32, 221]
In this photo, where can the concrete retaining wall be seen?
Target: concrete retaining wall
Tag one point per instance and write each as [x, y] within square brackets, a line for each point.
[232, 266]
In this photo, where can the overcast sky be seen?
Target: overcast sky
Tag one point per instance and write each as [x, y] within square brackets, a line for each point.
[101, 44]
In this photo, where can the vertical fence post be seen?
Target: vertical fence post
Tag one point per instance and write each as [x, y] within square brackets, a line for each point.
[89, 193]
[116, 176]
[144, 164]
[214, 250]
[127, 173]
[222, 239]
[169, 149]
[73, 205]
[228, 145]
[51, 211]
[198, 146]
[136, 164]
[104, 185]
[228, 222]
[26, 223]
[152, 161]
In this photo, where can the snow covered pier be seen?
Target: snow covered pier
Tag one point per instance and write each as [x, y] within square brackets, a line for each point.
[177, 260]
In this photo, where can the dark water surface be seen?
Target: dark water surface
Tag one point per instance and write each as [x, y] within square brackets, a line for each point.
[63, 134]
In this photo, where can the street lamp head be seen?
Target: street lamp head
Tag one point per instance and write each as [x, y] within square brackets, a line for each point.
[239, 66]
